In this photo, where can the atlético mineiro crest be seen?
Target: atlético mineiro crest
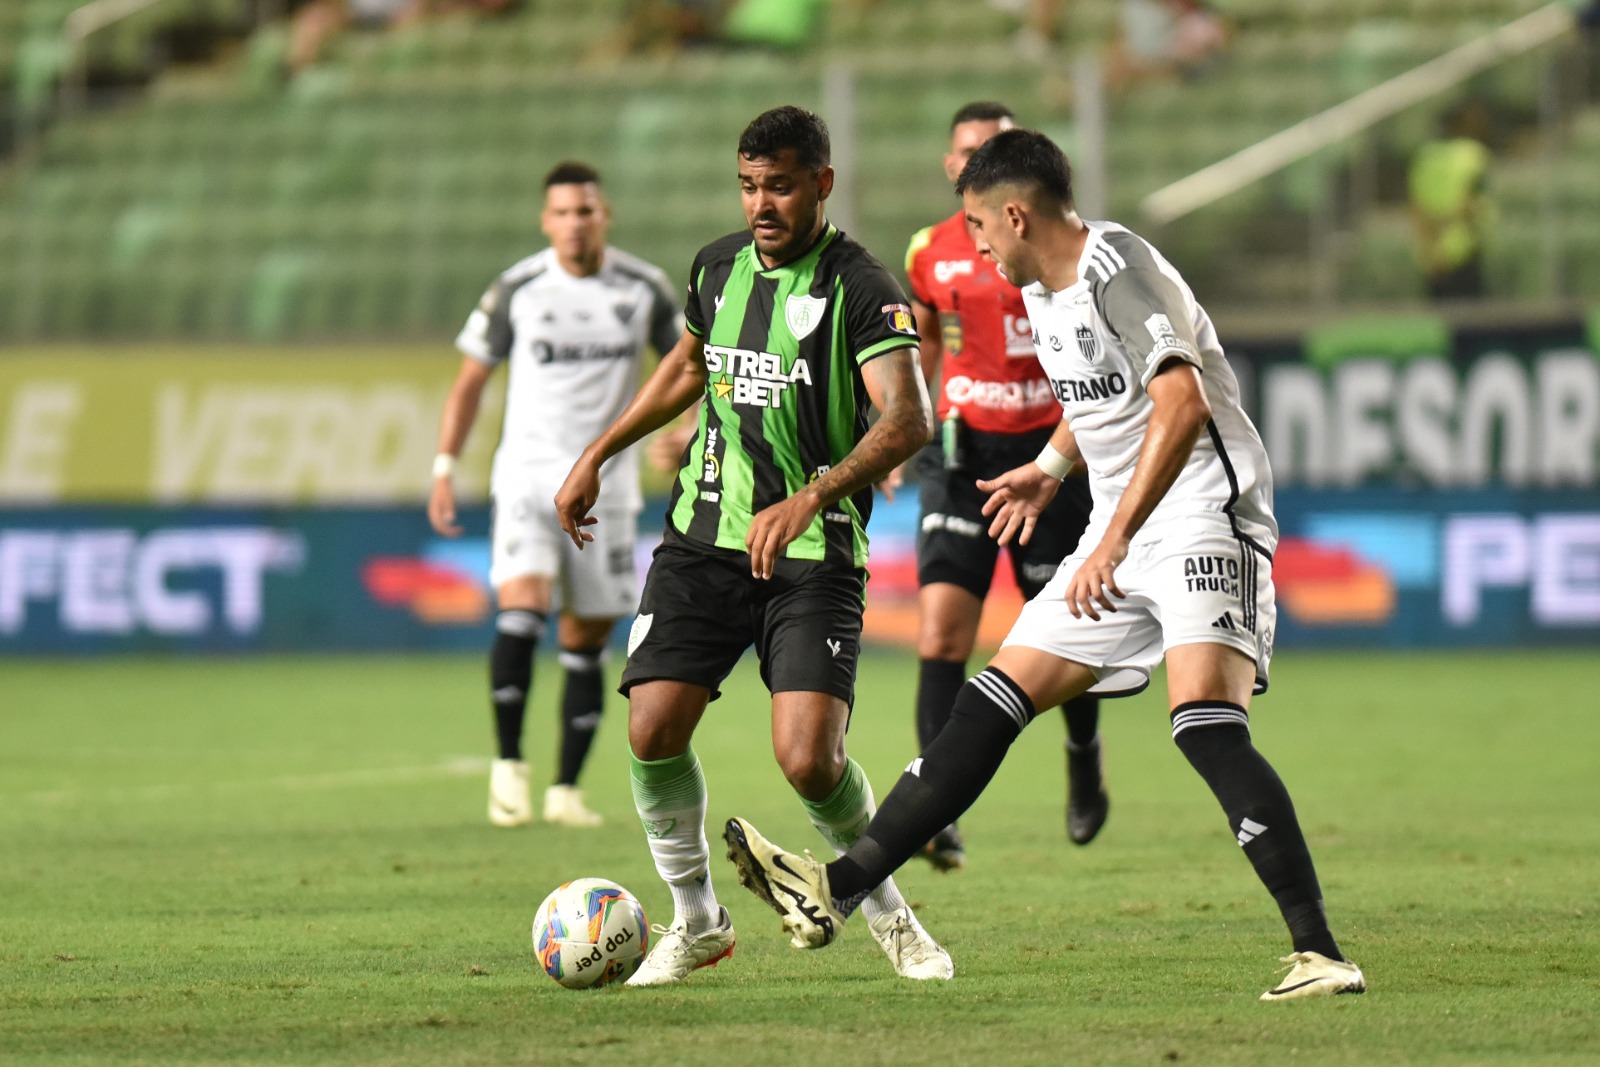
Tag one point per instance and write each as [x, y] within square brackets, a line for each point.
[803, 313]
[624, 313]
[1087, 343]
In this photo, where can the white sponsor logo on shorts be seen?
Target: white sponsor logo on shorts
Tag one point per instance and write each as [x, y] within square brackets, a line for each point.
[636, 635]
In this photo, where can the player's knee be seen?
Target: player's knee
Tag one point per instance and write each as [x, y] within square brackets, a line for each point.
[656, 735]
[813, 774]
[944, 644]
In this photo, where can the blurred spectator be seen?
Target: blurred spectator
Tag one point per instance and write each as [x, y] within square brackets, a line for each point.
[1165, 38]
[1041, 25]
[320, 21]
[1450, 206]
[662, 27]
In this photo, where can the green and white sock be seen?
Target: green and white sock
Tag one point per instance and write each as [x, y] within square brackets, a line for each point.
[841, 818]
[670, 796]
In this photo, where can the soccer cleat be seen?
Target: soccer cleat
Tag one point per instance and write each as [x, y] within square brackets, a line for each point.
[678, 953]
[908, 946]
[509, 804]
[1311, 974]
[564, 806]
[946, 852]
[1087, 801]
[796, 887]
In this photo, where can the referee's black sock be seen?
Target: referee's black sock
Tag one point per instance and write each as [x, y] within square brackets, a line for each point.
[1083, 720]
[516, 635]
[938, 682]
[943, 782]
[582, 699]
[1215, 736]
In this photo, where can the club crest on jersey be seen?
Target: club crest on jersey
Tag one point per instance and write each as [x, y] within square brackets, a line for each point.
[803, 313]
[624, 313]
[900, 318]
[1087, 343]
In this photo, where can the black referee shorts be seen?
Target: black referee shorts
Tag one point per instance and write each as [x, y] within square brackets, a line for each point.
[953, 542]
[701, 609]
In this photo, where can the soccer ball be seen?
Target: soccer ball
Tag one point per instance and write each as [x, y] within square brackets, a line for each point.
[590, 933]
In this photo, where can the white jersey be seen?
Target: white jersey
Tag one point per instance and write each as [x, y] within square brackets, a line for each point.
[1100, 341]
[574, 346]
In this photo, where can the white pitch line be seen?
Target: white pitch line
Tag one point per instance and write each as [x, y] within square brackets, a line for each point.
[455, 767]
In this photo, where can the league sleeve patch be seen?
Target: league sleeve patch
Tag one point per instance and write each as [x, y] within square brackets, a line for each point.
[1165, 338]
[901, 320]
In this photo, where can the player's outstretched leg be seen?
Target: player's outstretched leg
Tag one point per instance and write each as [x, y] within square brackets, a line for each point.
[1087, 800]
[840, 819]
[934, 791]
[516, 637]
[1214, 735]
[670, 795]
[582, 701]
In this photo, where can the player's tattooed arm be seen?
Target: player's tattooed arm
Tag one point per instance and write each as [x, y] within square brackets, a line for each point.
[905, 424]
[678, 381]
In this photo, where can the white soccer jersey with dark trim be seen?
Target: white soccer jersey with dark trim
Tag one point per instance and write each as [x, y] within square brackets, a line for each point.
[573, 346]
[1100, 341]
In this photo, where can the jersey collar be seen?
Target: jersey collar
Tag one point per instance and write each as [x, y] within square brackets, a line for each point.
[825, 238]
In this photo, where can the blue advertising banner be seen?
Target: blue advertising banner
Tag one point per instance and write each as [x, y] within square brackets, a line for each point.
[125, 579]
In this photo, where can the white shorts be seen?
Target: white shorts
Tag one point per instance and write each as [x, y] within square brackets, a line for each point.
[1189, 588]
[600, 582]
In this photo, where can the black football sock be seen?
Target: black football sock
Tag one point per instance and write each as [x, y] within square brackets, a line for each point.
[938, 681]
[1083, 720]
[1215, 737]
[516, 635]
[943, 782]
[582, 699]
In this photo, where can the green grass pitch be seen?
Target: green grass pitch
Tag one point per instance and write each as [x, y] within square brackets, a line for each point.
[286, 861]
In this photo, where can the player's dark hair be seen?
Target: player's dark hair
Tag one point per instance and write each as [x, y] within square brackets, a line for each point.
[982, 111]
[772, 132]
[1019, 157]
[571, 172]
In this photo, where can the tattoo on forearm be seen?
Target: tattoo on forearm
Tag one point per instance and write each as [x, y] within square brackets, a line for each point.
[901, 429]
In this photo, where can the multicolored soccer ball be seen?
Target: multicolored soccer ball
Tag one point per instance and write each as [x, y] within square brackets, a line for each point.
[590, 933]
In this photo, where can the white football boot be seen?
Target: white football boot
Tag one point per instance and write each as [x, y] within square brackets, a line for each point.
[1311, 974]
[564, 806]
[509, 803]
[908, 946]
[679, 953]
[794, 886]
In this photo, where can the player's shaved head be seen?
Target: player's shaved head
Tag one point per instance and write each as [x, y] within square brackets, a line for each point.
[983, 111]
[571, 172]
[771, 133]
[1023, 159]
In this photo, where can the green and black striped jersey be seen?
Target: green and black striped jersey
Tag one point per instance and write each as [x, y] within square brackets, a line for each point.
[785, 400]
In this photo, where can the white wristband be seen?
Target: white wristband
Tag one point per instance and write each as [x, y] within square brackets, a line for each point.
[444, 465]
[1054, 463]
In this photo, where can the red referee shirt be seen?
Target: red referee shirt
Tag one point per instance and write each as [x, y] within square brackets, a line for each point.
[988, 372]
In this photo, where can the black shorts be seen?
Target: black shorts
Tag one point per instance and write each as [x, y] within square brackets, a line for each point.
[953, 542]
[701, 609]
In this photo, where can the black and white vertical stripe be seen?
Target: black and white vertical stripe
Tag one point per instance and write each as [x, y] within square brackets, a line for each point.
[1248, 565]
[1189, 716]
[1003, 693]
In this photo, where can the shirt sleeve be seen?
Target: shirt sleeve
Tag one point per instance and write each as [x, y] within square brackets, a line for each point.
[694, 316]
[487, 335]
[666, 323]
[1147, 313]
[878, 318]
[916, 273]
